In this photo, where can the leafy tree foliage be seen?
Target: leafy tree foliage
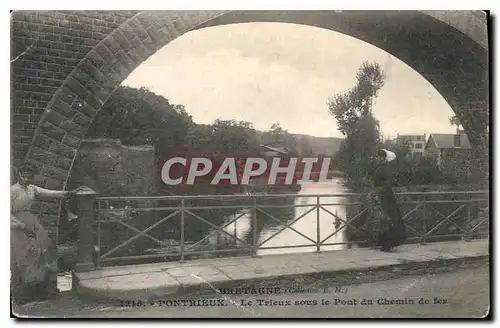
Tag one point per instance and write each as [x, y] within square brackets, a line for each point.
[353, 111]
[276, 136]
[412, 170]
[139, 116]
[454, 120]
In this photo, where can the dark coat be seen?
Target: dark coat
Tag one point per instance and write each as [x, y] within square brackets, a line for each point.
[392, 232]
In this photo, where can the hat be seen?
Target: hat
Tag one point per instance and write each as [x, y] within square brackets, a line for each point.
[388, 155]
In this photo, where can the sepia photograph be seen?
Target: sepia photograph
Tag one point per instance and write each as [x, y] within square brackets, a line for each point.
[250, 164]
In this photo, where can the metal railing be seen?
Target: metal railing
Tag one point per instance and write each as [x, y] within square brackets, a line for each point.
[123, 221]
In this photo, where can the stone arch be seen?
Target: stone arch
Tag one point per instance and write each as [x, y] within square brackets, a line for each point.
[453, 62]
[87, 87]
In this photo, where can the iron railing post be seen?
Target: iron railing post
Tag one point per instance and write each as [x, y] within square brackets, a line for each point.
[318, 234]
[182, 229]
[254, 227]
[423, 241]
[217, 240]
[97, 250]
[467, 234]
[235, 234]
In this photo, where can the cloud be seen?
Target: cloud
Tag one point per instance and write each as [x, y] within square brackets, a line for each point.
[284, 73]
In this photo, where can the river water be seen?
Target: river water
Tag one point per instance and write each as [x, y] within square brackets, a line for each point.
[307, 225]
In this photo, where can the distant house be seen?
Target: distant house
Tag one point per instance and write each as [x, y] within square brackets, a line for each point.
[453, 154]
[272, 152]
[416, 143]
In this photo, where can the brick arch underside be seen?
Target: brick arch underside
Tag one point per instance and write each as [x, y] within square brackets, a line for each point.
[407, 36]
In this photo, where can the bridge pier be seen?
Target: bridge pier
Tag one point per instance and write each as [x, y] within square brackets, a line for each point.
[87, 241]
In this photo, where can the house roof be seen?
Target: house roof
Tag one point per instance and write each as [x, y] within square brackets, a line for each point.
[442, 140]
[411, 137]
[278, 150]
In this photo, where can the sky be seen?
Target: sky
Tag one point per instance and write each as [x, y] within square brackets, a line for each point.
[267, 73]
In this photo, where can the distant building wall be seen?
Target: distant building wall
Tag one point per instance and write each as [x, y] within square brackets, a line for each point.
[416, 143]
[435, 153]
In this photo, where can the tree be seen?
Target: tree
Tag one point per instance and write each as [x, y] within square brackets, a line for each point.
[429, 172]
[350, 106]
[404, 164]
[199, 140]
[276, 136]
[455, 121]
[410, 170]
[234, 138]
[222, 138]
[306, 148]
[139, 116]
[353, 111]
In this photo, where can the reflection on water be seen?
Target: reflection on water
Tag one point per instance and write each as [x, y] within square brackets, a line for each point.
[308, 224]
[239, 228]
[273, 235]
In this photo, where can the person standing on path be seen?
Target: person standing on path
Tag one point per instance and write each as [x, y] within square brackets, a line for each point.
[392, 232]
[32, 253]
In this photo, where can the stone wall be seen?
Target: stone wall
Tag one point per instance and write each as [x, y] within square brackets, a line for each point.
[45, 47]
[112, 169]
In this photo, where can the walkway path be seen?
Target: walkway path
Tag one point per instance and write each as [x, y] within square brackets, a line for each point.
[460, 293]
[154, 281]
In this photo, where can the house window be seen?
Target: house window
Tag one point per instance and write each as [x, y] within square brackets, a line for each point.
[456, 141]
[418, 146]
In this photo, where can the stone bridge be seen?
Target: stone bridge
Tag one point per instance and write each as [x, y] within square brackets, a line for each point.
[66, 64]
